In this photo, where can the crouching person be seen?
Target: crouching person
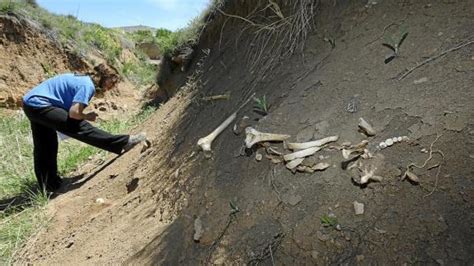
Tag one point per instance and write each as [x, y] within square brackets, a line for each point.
[58, 104]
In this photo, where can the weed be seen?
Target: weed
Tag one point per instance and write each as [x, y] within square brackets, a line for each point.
[261, 105]
[17, 180]
[394, 44]
[329, 221]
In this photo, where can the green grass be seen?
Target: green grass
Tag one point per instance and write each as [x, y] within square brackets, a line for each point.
[17, 178]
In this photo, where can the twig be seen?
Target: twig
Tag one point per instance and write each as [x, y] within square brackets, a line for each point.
[408, 71]
[271, 254]
[218, 239]
[430, 156]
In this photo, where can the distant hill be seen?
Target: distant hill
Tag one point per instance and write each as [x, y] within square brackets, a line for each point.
[130, 29]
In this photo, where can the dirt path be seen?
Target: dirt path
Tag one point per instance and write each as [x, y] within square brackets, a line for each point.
[322, 93]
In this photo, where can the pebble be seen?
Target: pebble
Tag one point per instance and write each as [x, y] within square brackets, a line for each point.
[314, 254]
[100, 201]
[422, 80]
[358, 208]
[389, 142]
[197, 229]
[360, 258]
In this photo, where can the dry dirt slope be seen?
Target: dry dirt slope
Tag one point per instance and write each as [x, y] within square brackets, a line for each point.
[154, 198]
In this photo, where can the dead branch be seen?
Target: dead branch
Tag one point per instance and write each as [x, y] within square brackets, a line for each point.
[408, 71]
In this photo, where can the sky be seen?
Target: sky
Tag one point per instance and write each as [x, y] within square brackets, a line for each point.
[169, 14]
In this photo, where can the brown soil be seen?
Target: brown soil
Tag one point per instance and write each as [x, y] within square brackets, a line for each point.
[153, 198]
[30, 54]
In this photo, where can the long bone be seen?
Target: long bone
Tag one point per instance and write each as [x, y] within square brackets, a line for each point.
[310, 144]
[205, 142]
[254, 136]
[301, 154]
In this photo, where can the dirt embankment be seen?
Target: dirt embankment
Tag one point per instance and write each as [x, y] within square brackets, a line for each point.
[30, 54]
[242, 210]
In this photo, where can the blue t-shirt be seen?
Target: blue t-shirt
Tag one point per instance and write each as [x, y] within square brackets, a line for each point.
[61, 91]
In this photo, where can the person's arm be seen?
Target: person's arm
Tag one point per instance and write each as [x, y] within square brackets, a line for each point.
[77, 112]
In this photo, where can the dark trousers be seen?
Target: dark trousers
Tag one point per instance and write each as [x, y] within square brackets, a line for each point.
[44, 124]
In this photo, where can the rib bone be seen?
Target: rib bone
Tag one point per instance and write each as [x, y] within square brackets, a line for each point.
[301, 154]
[310, 144]
[253, 136]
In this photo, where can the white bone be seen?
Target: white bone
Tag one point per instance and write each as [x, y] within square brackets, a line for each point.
[310, 144]
[369, 175]
[301, 154]
[366, 127]
[253, 136]
[205, 142]
[294, 163]
[411, 176]
[320, 166]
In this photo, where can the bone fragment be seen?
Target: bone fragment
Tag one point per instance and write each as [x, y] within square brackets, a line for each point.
[240, 126]
[366, 127]
[369, 176]
[301, 153]
[273, 151]
[411, 176]
[294, 163]
[205, 142]
[274, 159]
[253, 136]
[310, 144]
[320, 166]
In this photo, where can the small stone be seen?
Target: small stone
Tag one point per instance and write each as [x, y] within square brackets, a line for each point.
[322, 237]
[358, 208]
[314, 254]
[360, 258]
[198, 231]
[421, 80]
[389, 142]
[100, 201]
[382, 145]
[258, 157]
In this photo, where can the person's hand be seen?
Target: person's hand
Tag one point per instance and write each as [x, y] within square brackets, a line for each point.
[92, 116]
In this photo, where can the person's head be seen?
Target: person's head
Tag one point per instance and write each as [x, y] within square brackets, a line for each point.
[103, 78]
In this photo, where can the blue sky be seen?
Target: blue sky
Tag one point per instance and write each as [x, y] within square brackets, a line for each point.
[169, 14]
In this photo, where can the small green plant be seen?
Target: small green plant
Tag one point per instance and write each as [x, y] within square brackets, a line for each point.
[7, 6]
[261, 105]
[328, 221]
[394, 43]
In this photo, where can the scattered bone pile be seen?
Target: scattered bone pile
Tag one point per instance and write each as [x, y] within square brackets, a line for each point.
[299, 157]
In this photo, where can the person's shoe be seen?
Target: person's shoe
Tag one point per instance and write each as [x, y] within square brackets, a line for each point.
[133, 141]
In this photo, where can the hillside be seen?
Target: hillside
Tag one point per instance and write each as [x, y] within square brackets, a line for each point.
[316, 68]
